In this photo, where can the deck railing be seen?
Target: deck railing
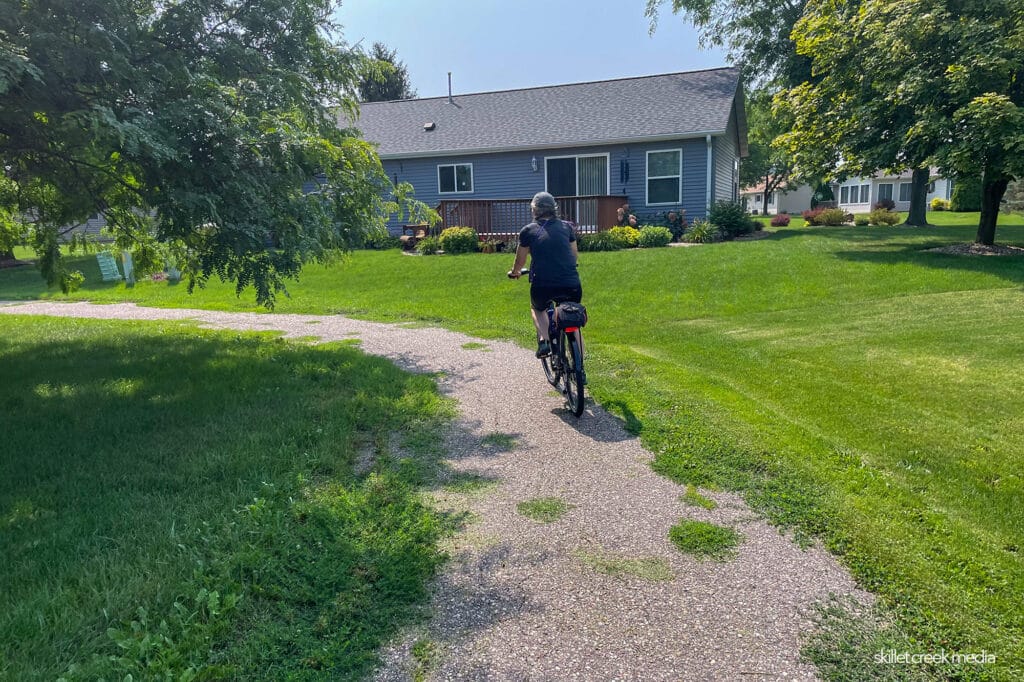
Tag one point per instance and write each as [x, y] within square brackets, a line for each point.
[502, 218]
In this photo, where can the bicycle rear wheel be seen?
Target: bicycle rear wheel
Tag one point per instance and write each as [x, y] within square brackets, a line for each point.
[553, 376]
[574, 376]
[554, 364]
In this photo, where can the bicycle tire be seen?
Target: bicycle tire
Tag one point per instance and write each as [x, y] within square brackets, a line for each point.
[553, 376]
[574, 390]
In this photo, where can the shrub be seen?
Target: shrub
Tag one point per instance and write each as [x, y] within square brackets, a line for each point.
[629, 236]
[731, 219]
[459, 240]
[831, 216]
[602, 241]
[652, 236]
[489, 246]
[429, 245]
[780, 220]
[701, 232]
[811, 216]
[861, 219]
[887, 204]
[966, 195]
[881, 216]
[939, 204]
[382, 242]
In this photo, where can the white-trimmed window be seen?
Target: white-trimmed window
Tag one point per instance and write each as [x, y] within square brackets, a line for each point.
[665, 177]
[865, 194]
[884, 191]
[771, 199]
[844, 195]
[456, 178]
[905, 191]
[757, 199]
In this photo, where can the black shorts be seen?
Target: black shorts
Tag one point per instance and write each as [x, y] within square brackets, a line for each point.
[541, 295]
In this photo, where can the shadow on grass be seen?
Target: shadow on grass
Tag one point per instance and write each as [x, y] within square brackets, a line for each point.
[1009, 268]
[172, 498]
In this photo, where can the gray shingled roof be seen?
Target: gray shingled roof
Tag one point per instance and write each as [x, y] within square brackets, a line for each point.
[674, 104]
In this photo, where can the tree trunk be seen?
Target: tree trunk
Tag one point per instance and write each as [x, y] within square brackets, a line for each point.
[764, 208]
[991, 194]
[918, 215]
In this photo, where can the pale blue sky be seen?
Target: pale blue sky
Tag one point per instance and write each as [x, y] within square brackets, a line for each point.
[489, 45]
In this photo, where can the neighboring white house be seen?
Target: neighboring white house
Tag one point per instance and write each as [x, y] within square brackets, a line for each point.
[858, 195]
[794, 201]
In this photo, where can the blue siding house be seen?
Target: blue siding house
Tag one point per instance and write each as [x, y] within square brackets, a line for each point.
[662, 143]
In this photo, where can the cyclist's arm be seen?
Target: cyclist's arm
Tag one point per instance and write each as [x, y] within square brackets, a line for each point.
[575, 252]
[521, 253]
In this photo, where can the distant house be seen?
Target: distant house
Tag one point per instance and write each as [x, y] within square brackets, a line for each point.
[859, 194]
[662, 143]
[793, 201]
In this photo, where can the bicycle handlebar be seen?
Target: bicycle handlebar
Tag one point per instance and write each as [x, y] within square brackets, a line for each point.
[524, 271]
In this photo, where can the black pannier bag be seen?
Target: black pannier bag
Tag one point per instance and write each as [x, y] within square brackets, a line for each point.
[570, 314]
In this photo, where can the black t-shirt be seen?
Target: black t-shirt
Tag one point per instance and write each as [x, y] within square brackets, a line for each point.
[552, 261]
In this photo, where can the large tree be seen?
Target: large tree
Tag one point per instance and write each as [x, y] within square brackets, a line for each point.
[383, 77]
[903, 83]
[868, 106]
[755, 32]
[191, 127]
[765, 163]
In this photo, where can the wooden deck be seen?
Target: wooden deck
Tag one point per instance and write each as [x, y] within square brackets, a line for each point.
[503, 218]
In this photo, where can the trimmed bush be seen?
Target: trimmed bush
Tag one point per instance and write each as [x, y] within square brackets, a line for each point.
[701, 232]
[939, 204]
[831, 216]
[629, 236]
[861, 219]
[731, 219]
[602, 241]
[429, 245]
[652, 236]
[887, 204]
[966, 195]
[881, 216]
[459, 240]
[780, 220]
[811, 216]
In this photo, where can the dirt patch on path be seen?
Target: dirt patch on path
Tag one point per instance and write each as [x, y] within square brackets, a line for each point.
[599, 594]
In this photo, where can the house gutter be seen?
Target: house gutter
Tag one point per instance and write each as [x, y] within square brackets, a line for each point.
[554, 145]
[707, 202]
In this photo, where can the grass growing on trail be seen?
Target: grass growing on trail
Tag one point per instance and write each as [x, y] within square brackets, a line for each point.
[544, 509]
[500, 442]
[704, 540]
[646, 568]
[851, 384]
[177, 502]
[693, 498]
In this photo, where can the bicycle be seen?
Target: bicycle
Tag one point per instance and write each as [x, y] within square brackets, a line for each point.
[563, 368]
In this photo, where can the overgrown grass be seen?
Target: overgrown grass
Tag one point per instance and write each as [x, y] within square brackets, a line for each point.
[178, 503]
[646, 568]
[851, 384]
[704, 540]
[544, 509]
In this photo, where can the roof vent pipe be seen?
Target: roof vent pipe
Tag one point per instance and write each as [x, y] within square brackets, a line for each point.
[450, 100]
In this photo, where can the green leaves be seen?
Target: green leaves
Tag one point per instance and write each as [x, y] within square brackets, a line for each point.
[195, 126]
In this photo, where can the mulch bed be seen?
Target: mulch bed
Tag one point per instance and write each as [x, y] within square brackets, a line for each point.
[979, 250]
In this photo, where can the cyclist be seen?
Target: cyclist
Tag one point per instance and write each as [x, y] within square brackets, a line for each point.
[551, 245]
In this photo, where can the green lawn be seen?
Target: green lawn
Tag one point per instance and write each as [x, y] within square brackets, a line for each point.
[854, 386]
[176, 501]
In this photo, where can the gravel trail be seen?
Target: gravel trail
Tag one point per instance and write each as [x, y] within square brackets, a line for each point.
[522, 600]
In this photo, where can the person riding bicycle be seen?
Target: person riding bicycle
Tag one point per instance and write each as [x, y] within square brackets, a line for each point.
[551, 246]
